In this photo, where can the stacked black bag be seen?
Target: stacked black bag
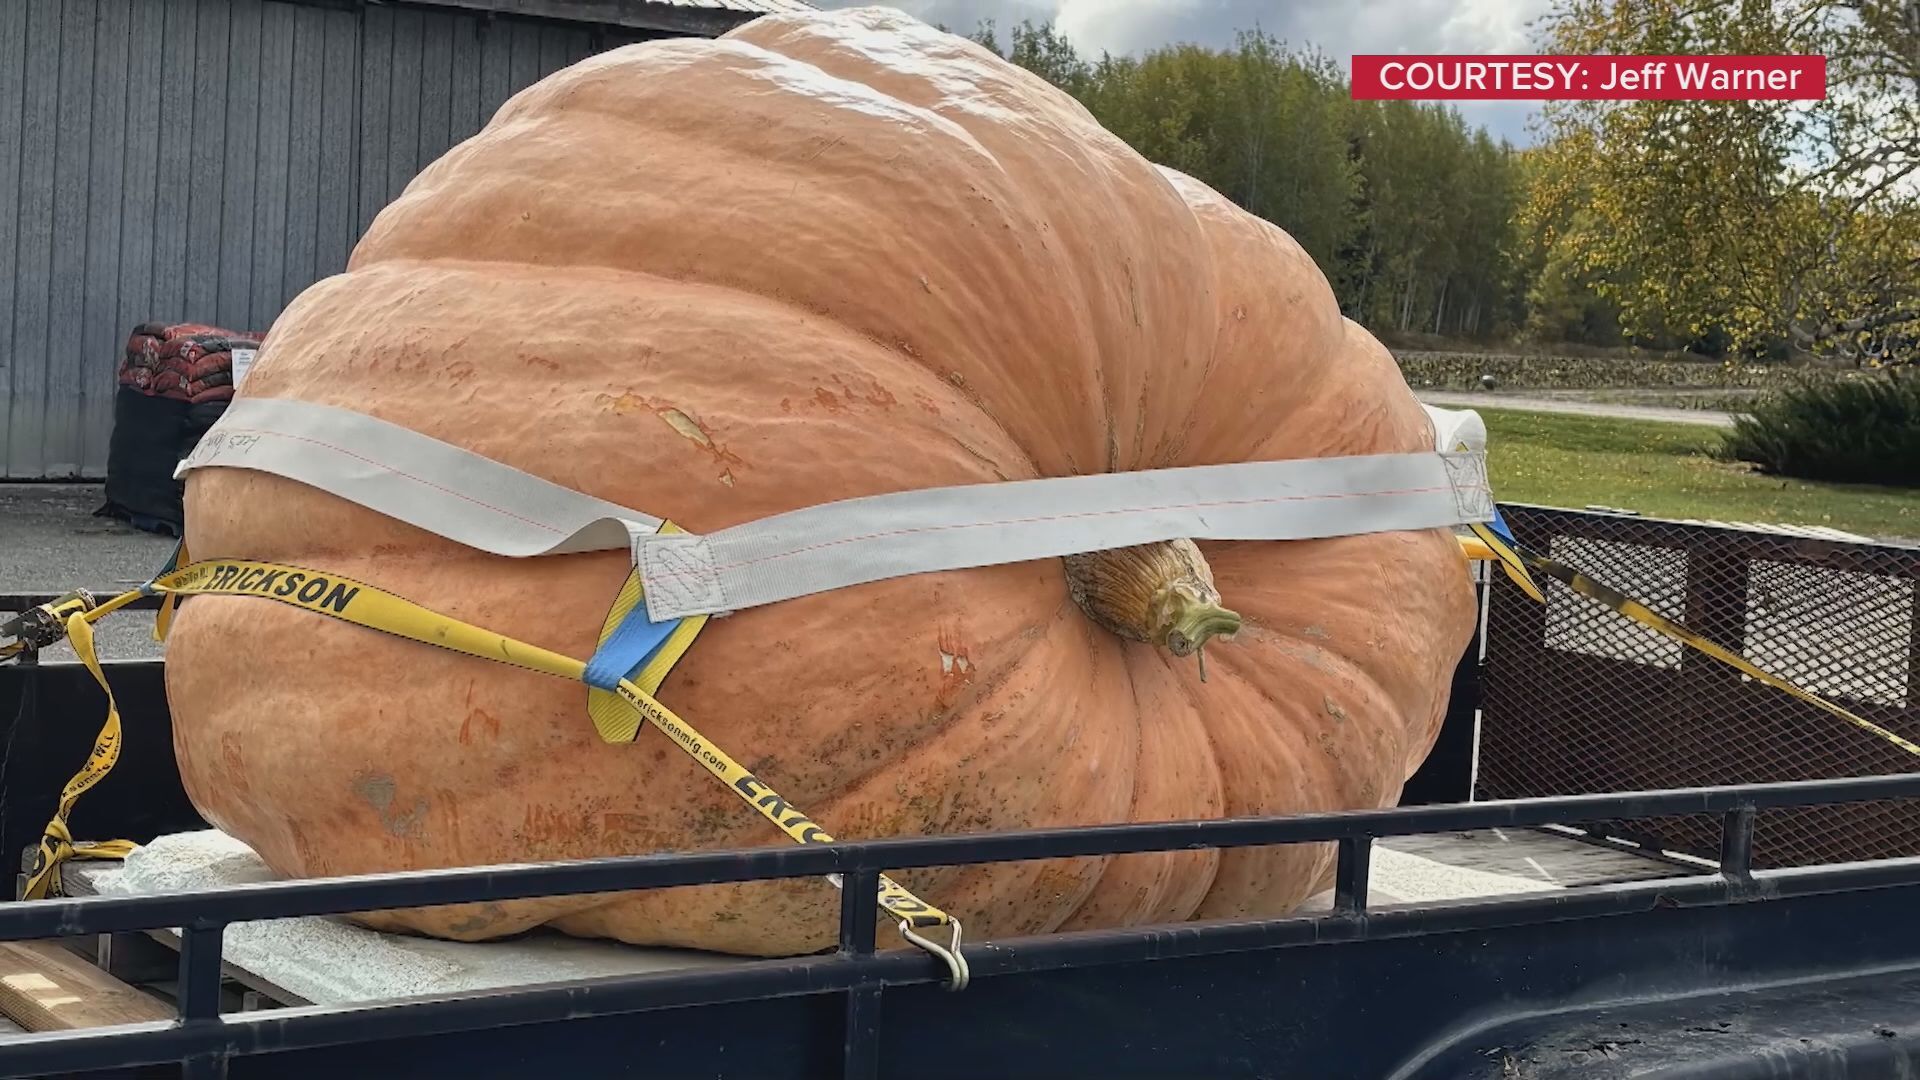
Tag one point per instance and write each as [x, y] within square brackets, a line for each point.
[165, 403]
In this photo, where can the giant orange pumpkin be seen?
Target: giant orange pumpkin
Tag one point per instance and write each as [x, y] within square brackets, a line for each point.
[826, 255]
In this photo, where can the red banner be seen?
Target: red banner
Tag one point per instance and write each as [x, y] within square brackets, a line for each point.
[1562, 78]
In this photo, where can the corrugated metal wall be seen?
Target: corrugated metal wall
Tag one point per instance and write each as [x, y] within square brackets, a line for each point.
[206, 160]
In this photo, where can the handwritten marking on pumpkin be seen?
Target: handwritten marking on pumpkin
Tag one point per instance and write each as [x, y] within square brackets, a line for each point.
[378, 790]
[491, 722]
[828, 145]
[235, 764]
[623, 823]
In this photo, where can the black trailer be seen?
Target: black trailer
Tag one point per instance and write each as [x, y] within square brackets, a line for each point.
[1757, 954]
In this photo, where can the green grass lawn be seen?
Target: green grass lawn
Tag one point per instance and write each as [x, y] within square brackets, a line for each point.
[1669, 470]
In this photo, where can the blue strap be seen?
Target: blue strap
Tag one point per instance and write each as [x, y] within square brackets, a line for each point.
[172, 564]
[627, 649]
[1499, 527]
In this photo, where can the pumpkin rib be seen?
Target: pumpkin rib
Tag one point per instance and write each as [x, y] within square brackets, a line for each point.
[1364, 685]
[1032, 253]
[1334, 659]
[1164, 865]
[743, 289]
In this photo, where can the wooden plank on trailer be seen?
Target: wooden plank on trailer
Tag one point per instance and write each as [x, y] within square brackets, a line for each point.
[47, 987]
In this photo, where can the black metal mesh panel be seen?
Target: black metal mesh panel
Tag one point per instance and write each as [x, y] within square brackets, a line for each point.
[1581, 699]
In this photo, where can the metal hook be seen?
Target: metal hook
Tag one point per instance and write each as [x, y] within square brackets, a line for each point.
[950, 953]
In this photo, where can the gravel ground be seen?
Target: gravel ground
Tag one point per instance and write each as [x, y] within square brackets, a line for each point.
[51, 542]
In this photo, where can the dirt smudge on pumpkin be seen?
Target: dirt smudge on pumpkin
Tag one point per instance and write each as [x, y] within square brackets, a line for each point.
[827, 400]
[484, 917]
[311, 863]
[379, 791]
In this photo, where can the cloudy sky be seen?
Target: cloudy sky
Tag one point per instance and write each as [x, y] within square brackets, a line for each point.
[1339, 28]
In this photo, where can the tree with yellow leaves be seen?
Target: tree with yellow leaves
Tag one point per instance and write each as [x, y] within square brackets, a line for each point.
[1768, 222]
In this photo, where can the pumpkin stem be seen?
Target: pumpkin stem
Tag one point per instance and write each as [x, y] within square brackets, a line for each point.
[1160, 593]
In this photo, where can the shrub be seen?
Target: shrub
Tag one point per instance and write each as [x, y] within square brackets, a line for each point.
[1858, 430]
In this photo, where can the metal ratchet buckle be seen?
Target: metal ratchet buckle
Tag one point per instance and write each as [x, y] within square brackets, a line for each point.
[44, 626]
[948, 953]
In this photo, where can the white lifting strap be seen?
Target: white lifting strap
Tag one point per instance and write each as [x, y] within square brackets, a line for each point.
[493, 507]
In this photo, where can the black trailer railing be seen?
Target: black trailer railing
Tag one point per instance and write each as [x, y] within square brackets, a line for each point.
[204, 1042]
[1577, 698]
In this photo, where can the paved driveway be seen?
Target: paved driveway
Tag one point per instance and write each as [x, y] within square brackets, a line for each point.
[1458, 399]
[51, 542]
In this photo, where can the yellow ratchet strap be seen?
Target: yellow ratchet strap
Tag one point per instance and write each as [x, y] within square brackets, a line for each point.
[56, 842]
[1519, 563]
[364, 605]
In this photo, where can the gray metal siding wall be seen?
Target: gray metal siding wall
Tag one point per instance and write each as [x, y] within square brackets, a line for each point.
[205, 161]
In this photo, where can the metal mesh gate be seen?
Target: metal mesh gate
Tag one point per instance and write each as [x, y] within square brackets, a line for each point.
[1580, 699]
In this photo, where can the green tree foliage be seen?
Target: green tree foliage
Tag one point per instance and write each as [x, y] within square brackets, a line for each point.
[1413, 217]
[1768, 224]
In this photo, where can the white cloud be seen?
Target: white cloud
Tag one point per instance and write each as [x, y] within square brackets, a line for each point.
[1338, 28]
